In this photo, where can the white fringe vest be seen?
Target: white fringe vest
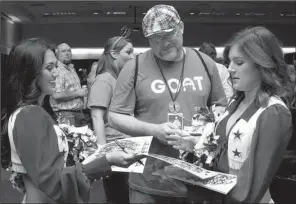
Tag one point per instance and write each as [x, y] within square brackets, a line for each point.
[240, 136]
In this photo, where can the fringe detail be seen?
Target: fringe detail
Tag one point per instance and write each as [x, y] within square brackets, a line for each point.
[18, 168]
[236, 165]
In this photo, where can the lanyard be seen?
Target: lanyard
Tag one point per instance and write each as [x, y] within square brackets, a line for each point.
[174, 98]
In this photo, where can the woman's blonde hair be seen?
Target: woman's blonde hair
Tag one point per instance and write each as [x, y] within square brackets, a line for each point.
[106, 61]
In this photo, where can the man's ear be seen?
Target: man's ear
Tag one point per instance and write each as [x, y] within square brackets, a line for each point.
[181, 27]
[113, 54]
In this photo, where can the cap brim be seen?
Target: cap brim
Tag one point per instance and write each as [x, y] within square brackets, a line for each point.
[160, 31]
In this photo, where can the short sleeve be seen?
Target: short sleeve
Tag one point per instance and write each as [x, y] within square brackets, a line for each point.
[269, 142]
[100, 94]
[124, 97]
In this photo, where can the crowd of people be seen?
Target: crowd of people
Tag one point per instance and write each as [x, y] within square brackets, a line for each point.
[252, 89]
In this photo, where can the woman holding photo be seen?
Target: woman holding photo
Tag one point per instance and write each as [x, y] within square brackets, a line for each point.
[117, 51]
[32, 142]
[257, 126]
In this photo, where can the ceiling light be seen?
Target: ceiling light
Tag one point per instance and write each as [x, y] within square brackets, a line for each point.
[144, 13]
[290, 14]
[14, 18]
[204, 13]
[259, 14]
[95, 13]
[7, 18]
[237, 14]
[115, 13]
[215, 13]
[192, 13]
[119, 13]
[60, 13]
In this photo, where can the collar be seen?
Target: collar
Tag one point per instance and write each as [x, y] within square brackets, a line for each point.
[68, 67]
[248, 113]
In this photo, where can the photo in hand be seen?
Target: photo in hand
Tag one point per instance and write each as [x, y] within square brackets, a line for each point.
[135, 145]
[222, 183]
[176, 119]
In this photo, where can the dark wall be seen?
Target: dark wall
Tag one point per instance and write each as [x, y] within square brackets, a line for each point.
[9, 36]
[94, 35]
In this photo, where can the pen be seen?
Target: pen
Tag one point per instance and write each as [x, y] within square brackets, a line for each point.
[122, 147]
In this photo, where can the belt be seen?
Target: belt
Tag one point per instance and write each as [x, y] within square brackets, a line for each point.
[75, 111]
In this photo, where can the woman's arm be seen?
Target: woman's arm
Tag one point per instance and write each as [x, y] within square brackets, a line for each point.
[97, 115]
[37, 146]
[270, 140]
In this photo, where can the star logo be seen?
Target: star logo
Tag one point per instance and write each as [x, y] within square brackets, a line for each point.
[236, 153]
[63, 152]
[63, 137]
[237, 135]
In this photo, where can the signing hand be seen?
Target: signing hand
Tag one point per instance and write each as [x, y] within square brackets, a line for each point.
[122, 159]
[166, 129]
[182, 142]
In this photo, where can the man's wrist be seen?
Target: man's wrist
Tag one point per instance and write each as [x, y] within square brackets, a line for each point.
[154, 130]
[77, 93]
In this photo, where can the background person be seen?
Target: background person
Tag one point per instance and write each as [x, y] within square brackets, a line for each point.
[68, 99]
[117, 51]
[210, 50]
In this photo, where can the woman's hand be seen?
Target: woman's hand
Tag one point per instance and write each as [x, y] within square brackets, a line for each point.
[122, 159]
[182, 142]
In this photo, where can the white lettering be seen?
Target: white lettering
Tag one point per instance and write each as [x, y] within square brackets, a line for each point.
[188, 83]
[176, 81]
[198, 79]
[157, 86]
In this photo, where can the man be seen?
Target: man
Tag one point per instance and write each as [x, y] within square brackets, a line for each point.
[68, 100]
[210, 50]
[144, 109]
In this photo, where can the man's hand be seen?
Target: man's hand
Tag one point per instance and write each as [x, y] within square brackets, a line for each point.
[183, 141]
[122, 159]
[82, 92]
[166, 129]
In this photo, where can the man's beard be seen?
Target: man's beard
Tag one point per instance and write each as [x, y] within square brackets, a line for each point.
[178, 57]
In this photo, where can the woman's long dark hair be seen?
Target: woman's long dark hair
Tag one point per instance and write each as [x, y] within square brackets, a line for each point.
[106, 61]
[19, 84]
[264, 49]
